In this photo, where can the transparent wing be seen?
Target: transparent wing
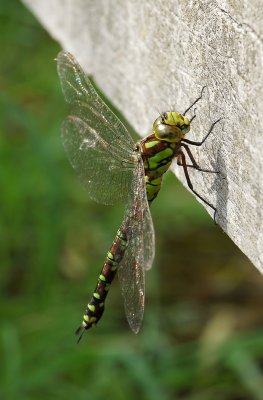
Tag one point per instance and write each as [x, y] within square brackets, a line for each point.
[138, 226]
[98, 145]
[105, 174]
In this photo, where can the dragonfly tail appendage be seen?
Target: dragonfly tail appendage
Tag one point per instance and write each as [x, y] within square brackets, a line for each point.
[95, 307]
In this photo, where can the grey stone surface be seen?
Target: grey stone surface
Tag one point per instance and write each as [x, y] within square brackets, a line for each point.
[151, 56]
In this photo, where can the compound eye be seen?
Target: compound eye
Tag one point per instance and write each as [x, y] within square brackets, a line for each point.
[186, 129]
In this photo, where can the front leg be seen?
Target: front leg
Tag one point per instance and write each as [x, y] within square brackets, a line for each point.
[190, 185]
[204, 139]
[194, 163]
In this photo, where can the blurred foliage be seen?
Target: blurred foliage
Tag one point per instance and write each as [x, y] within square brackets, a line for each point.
[202, 337]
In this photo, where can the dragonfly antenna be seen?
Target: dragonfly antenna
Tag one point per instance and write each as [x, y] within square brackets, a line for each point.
[189, 108]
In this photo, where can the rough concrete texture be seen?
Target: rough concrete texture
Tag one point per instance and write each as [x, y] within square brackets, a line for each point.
[153, 56]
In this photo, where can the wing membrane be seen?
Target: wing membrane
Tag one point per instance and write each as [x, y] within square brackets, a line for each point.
[139, 255]
[98, 145]
[106, 176]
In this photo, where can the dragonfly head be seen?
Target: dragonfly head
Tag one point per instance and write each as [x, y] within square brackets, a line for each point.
[171, 126]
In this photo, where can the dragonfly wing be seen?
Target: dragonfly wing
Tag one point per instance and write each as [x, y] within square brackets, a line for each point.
[138, 226]
[98, 145]
[106, 175]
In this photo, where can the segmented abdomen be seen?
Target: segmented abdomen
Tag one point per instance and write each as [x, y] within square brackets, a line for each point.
[157, 156]
[95, 307]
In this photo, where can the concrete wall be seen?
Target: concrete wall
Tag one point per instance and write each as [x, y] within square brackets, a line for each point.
[151, 56]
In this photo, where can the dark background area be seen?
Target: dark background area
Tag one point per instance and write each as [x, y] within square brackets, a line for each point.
[202, 336]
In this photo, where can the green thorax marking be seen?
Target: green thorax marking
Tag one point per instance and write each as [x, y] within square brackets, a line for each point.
[157, 157]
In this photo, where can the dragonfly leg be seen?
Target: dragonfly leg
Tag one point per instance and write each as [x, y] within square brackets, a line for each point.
[206, 136]
[179, 162]
[190, 185]
[194, 163]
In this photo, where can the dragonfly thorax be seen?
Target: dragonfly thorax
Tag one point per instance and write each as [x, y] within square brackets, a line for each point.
[171, 126]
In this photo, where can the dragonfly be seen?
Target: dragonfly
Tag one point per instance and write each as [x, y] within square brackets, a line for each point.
[114, 169]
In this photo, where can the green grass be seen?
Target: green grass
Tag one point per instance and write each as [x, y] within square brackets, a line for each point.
[202, 336]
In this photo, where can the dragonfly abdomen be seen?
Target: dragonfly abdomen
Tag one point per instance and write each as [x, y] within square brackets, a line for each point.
[95, 307]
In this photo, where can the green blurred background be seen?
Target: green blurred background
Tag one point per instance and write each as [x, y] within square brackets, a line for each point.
[202, 336]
